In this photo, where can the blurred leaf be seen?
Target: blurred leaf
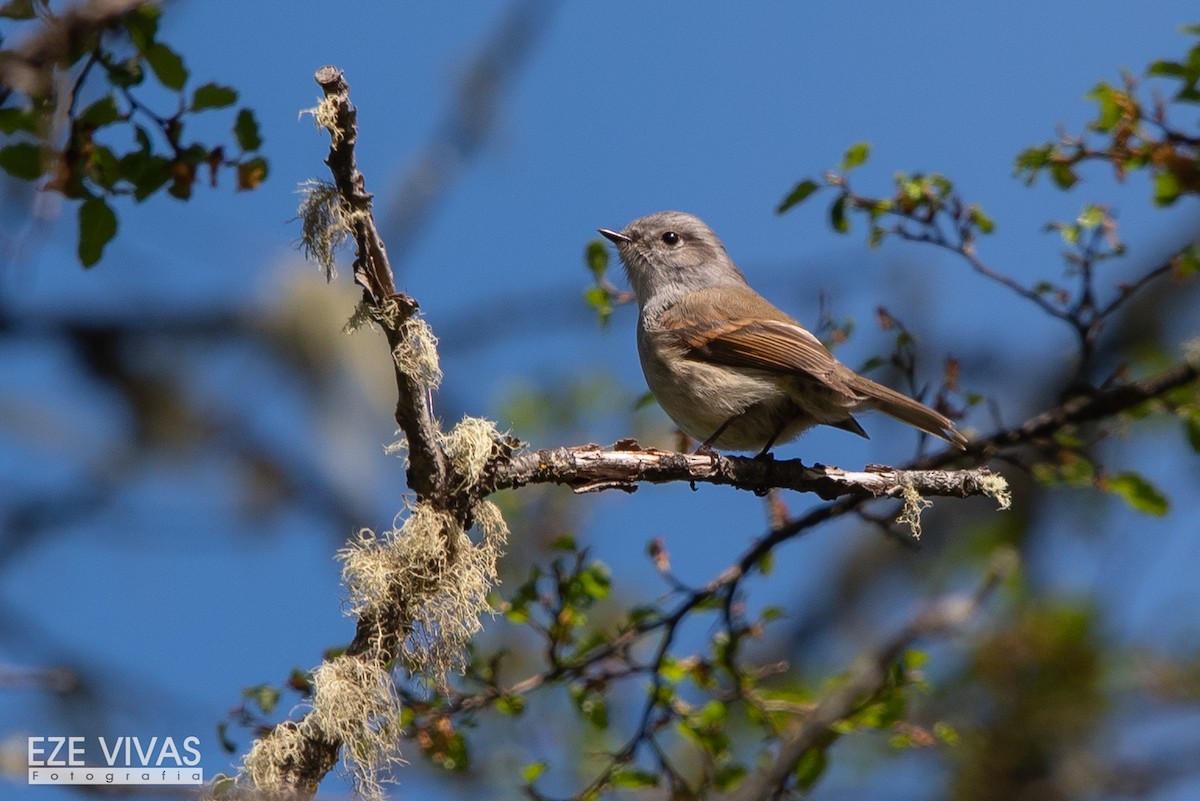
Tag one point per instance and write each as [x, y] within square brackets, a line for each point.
[1166, 188]
[126, 73]
[102, 112]
[837, 215]
[146, 172]
[167, 65]
[856, 154]
[596, 256]
[246, 130]
[798, 195]
[1033, 160]
[1192, 427]
[251, 173]
[983, 222]
[1139, 493]
[213, 95]
[591, 705]
[264, 696]
[97, 226]
[1063, 174]
[21, 160]
[532, 771]
[1107, 98]
[595, 581]
[729, 777]
[1187, 262]
[142, 26]
[946, 733]
[634, 777]
[18, 119]
[809, 768]
[599, 299]
[510, 704]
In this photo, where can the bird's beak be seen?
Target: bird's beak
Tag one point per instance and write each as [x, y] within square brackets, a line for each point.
[616, 237]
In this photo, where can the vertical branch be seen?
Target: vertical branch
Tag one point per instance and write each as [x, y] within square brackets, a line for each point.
[391, 309]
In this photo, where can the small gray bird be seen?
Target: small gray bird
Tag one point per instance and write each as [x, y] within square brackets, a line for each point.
[732, 370]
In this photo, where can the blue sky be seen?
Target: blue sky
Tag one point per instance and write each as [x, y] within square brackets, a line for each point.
[622, 109]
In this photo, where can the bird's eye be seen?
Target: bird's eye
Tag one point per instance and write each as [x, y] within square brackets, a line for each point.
[671, 238]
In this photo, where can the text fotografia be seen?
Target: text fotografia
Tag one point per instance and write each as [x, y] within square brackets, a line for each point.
[114, 760]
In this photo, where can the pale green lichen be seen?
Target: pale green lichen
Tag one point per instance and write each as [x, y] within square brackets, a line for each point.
[910, 512]
[325, 224]
[994, 486]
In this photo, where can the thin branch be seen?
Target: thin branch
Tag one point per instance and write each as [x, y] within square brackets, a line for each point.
[944, 617]
[1082, 409]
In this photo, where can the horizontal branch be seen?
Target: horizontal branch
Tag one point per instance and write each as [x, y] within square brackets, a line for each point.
[590, 468]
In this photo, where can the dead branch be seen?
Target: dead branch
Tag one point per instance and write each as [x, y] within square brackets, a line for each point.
[590, 468]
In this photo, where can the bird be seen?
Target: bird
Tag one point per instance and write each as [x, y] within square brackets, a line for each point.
[732, 370]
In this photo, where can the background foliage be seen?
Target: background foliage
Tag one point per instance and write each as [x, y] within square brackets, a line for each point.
[218, 421]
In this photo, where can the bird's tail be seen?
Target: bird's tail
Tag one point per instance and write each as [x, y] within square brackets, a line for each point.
[909, 411]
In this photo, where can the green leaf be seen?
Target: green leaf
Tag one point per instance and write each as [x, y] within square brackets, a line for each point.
[167, 65]
[1031, 161]
[855, 155]
[246, 130]
[809, 768]
[102, 112]
[729, 777]
[1110, 110]
[596, 256]
[532, 771]
[126, 73]
[97, 226]
[599, 299]
[145, 171]
[510, 704]
[633, 777]
[1166, 188]
[213, 95]
[1187, 261]
[1192, 427]
[800, 192]
[21, 160]
[946, 733]
[1139, 493]
[1063, 174]
[983, 222]
[591, 706]
[565, 542]
[142, 26]
[18, 119]
[837, 215]
[595, 581]
[1167, 69]
[264, 696]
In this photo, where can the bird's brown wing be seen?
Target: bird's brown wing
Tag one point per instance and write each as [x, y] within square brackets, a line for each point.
[763, 345]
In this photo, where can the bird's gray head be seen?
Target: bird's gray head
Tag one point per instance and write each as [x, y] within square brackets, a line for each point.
[669, 253]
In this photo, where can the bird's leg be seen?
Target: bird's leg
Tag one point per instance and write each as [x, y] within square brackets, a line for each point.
[706, 446]
[765, 453]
